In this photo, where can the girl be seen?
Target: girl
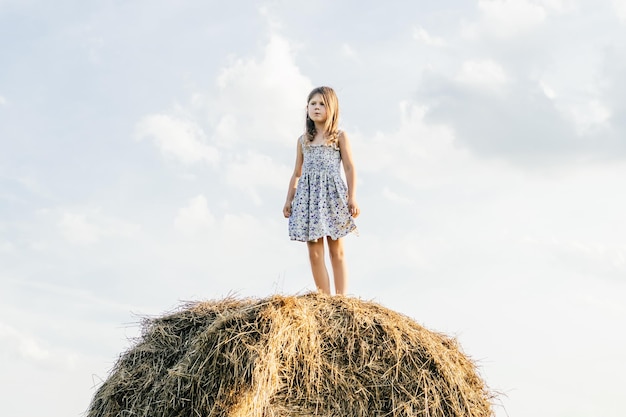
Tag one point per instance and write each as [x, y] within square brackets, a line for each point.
[318, 202]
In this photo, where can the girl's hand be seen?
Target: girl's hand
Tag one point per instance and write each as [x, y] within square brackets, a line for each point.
[353, 208]
[287, 209]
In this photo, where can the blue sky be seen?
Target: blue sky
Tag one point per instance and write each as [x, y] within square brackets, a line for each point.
[146, 149]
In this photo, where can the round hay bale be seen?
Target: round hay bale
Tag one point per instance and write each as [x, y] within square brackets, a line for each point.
[308, 355]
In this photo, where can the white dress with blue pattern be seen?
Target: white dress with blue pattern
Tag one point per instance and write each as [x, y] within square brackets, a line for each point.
[320, 205]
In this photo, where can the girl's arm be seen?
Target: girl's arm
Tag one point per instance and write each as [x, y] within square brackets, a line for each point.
[348, 167]
[293, 183]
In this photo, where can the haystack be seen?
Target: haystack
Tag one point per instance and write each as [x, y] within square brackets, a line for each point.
[308, 355]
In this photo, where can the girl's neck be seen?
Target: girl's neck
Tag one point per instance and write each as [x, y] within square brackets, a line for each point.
[320, 135]
[319, 138]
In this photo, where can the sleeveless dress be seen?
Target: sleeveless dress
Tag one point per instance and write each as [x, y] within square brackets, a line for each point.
[320, 205]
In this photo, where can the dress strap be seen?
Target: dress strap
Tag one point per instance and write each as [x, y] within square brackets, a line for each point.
[301, 140]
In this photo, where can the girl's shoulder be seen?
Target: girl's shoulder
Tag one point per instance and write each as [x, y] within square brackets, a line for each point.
[342, 137]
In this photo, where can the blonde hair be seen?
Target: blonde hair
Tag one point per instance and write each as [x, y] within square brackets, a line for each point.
[331, 131]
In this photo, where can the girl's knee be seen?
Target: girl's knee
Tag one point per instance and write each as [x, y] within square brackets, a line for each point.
[337, 256]
[316, 256]
[316, 252]
[336, 253]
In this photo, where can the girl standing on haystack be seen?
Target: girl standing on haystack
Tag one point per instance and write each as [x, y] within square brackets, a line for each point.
[318, 202]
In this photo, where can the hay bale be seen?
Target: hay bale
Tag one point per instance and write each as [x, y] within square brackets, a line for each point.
[309, 355]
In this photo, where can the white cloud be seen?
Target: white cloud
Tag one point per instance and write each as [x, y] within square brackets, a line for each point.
[76, 229]
[195, 218]
[506, 18]
[6, 247]
[254, 170]
[15, 342]
[262, 100]
[240, 226]
[348, 51]
[421, 35]
[257, 101]
[414, 154]
[587, 116]
[225, 251]
[559, 6]
[586, 257]
[483, 74]
[547, 90]
[620, 9]
[182, 139]
[89, 226]
[3, 101]
[396, 198]
[584, 110]
[225, 133]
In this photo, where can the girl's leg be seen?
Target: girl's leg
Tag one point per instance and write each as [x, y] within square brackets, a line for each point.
[340, 271]
[318, 266]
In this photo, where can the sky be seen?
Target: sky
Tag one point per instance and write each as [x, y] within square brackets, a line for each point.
[146, 149]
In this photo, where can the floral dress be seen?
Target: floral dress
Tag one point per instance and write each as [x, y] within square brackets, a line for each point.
[320, 205]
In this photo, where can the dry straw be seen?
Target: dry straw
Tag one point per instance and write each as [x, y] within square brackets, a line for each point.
[308, 355]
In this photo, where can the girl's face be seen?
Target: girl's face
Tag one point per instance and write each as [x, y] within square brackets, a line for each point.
[317, 109]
